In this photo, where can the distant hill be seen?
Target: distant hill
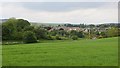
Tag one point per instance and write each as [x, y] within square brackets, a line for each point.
[3, 20]
[46, 24]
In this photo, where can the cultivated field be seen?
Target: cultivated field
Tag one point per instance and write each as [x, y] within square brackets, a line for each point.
[101, 52]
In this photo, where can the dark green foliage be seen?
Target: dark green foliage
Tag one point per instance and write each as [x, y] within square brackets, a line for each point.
[29, 28]
[112, 32]
[48, 28]
[58, 38]
[74, 37]
[8, 29]
[80, 34]
[73, 32]
[97, 33]
[6, 35]
[48, 37]
[13, 29]
[93, 26]
[54, 32]
[18, 36]
[21, 24]
[82, 25]
[29, 37]
[103, 34]
[40, 33]
[58, 32]
[77, 33]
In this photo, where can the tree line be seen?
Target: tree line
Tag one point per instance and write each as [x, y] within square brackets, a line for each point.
[93, 26]
[22, 30]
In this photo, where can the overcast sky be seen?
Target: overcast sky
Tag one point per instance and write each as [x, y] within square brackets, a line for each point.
[62, 12]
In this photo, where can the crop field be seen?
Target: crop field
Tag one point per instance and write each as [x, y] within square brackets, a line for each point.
[99, 52]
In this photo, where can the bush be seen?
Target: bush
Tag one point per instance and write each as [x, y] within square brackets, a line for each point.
[48, 37]
[29, 37]
[64, 38]
[58, 38]
[40, 33]
[74, 37]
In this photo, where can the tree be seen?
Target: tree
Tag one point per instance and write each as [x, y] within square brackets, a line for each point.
[82, 25]
[8, 29]
[103, 34]
[91, 25]
[58, 38]
[77, 33]
[21, 24]
[80, 34]
[29, 28]
[112, 32]
[74, 37]
[73, 32]
[12, 29]
[40, 33]
[53, 32]
[29, 37]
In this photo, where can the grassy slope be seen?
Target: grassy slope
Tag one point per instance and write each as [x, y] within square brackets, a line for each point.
[0, 55]
[63, 53]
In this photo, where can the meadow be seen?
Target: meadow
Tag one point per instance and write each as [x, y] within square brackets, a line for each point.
[86, 52]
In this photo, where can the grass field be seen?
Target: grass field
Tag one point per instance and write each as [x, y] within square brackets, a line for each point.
[101, 52]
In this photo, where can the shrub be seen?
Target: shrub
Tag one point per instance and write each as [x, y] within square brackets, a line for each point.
[48, 37]
[58, 38]
[74, 37]
[64, 38]
[29, 37]
[40, 33]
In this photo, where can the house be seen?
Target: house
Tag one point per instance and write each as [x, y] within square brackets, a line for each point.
[66, 28]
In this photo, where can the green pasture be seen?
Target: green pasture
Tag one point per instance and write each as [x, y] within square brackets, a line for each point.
[99, 52]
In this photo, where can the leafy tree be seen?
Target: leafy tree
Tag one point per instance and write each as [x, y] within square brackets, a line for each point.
[21, 24]
[73, 32]
[48, 28]
[74, 37]
[112, 32]
[91, 25]
[40, 33]
[77, 33]
[29, 28]
[53, 32]
[58, 38]
[103, 34]
[12, 29]
[82, 26]
[48, 37]
[8, 29]
[29, 37]
[80, 34]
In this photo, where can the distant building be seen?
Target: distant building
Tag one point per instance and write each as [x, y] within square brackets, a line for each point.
[66, 28]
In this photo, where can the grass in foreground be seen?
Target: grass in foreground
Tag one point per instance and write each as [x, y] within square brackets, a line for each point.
[101, 52]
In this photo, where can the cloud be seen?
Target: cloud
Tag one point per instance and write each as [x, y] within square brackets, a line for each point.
[102, 14]
[59, 0]
[60, 6]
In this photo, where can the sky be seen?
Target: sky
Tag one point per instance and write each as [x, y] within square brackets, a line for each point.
[62, 12]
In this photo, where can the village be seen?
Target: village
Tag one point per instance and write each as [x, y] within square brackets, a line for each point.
[96, 31]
